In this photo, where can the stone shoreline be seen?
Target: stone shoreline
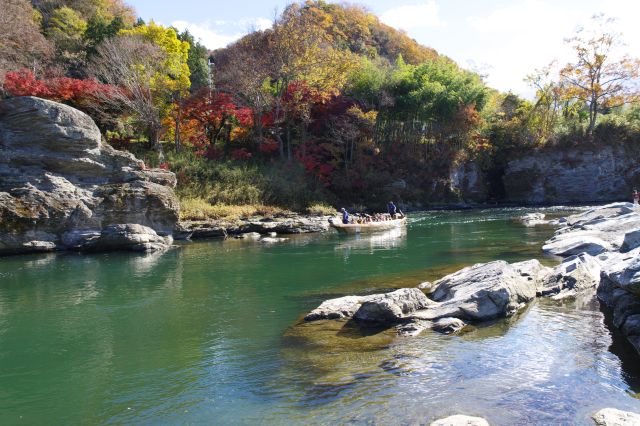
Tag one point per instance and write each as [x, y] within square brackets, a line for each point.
[282, 224]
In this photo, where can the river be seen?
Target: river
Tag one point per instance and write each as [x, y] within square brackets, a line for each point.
[210, 333]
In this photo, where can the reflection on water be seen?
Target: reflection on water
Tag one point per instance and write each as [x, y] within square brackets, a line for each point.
[210, 332]
[387, 240]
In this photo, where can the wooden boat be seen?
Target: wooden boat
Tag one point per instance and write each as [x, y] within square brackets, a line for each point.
[366, 228]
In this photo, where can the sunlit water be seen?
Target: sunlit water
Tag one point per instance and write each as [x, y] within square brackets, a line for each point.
[210, 333]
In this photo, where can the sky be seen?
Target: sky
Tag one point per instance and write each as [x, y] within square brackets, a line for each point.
[501, 39]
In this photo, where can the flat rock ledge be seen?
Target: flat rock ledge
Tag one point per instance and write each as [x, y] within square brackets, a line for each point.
[284, 225]
[460, 420]
[614, 417]
[62, 188]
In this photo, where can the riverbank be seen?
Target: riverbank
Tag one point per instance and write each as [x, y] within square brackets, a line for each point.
[599, 247]
[284, 223]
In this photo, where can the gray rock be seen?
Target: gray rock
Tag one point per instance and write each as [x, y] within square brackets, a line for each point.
[481, 292]
[460, 420]
[609, 228]
[579, 174]
[392, 307]
[292, 224]
[448, 325]
[623, 270]
[534, 219]
[342, 307]
[272, 240]
[59, 181]
[614, 417]
[249, 236]
[575, 274]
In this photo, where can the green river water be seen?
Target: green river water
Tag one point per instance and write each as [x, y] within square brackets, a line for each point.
[210, 333]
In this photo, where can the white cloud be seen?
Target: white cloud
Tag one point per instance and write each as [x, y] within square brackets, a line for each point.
[413, 16]
[207, 34]
[522, 37]
[212, 34]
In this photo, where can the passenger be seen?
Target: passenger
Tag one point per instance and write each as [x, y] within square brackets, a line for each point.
[392, 209]
[345, 216]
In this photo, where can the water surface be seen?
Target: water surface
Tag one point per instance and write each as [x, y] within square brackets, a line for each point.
[210, 332]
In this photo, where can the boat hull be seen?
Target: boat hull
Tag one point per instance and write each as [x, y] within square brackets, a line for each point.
[368, 228]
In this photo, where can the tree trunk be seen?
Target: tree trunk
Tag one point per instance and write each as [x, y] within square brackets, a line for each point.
[177, 129]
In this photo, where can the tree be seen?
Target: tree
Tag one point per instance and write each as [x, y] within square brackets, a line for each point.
[173, 74]
[66, 29]
[132, 65]
[152, 74]
[598, 78]
[21, 43]
[197, 61]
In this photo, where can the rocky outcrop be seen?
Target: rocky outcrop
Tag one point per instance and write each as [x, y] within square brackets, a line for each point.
[477, 293]
[460, 420]
[62, 188]
[603, 246]
[566, 175]
[467, 180]
[610, 228]
[286, 224]
[614, 417]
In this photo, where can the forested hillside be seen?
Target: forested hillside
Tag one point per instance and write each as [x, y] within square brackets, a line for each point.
[329, 106]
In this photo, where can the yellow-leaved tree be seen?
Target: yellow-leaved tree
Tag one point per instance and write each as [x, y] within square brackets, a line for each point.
[148, 67]
[599, 78]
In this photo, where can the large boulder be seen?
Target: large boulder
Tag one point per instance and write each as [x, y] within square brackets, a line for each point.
[59, 183]
[477, 293]
[481, 292]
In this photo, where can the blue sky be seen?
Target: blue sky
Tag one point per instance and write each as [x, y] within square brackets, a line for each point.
[504, 40]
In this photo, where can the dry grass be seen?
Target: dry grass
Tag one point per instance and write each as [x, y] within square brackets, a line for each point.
[199, 209]
[321, 209]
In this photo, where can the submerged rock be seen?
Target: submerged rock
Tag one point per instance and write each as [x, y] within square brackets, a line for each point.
[62, 188]
[614, 417]
[448, 325]
[460, 420]
[534, 219]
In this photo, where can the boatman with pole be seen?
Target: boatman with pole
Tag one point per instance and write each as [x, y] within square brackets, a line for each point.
[345, 216]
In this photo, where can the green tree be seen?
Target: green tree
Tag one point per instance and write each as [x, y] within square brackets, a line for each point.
[198, 61]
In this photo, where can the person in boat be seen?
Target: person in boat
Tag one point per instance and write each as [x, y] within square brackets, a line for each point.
[345, 216]
[392, 209]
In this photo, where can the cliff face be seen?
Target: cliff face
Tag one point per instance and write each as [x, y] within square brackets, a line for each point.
[62, 188]
[568, 175]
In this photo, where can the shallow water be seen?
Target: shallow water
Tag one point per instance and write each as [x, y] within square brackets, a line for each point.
[210, 332]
